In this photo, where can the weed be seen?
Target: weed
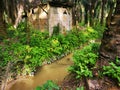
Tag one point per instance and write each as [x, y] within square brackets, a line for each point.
[84, 60]
[113, 70]
[49, 85]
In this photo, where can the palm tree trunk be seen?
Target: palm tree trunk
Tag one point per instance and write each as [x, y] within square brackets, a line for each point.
[117, 9]
[110, 45]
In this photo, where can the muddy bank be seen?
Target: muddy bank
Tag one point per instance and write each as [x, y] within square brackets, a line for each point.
[56, 71]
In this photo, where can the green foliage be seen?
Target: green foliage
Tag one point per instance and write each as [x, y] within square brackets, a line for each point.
[28, 48]
[56, 30]
[19, 33]
[84, 60]
[16, 53]
[80, 88]
[113, 70]
[30, 55]
[82, 24]
[49, 85]
[37, 38]
[99, 29]
[4, 61]
[73, 40]
[92, 33]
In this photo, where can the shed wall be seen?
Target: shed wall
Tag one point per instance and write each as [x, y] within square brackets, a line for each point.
[62, 17]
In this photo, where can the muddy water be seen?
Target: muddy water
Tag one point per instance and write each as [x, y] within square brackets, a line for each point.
[55, 71]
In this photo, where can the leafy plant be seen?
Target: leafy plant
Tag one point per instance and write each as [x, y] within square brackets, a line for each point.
[80, 88]
[20, 33]
[55, 47]
[73, 40]
[113, 70]
[49, 85]
[29, 48]
[84, 60]
[99, 29]
[37, 38]
[56, 29]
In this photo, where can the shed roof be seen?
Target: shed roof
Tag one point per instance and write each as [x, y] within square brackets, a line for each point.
[61, 3]
[52, 2]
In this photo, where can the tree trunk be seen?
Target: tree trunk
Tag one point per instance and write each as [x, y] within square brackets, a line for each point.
[117, 9]
[91, 12]
[110, 45]
[73, 16]
[2, 23]
[109, 50]
[86, 14]
[102, 11]
[108, 19]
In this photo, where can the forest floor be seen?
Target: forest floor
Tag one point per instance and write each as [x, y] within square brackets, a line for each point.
[58, 73]
[55, 71]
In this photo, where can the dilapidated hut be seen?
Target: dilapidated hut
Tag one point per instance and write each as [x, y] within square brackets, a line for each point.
[38, 15]
[60, 15]
[41, 14]
[51, 15]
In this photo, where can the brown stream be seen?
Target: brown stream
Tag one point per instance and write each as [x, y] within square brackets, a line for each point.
[55, 71]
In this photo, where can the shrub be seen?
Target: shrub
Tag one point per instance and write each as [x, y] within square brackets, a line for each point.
[49, 85]
[30, 48]
[80, 88]
[113, 70]
[73, 40]
[20, 33]
[37, 38]
[84, 60]
[99, 29]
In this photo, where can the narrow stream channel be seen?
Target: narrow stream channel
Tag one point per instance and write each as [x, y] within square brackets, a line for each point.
[55, 71]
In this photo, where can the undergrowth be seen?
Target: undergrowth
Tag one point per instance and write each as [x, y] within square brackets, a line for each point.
[113, 70]
[84, 60]
[28, 49]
